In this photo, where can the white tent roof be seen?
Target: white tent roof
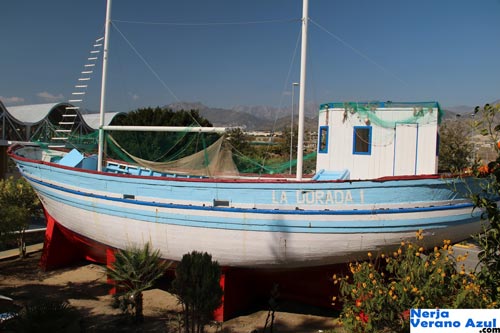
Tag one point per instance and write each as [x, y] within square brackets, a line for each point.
[92, 119]
[35, 113]
[32, 114]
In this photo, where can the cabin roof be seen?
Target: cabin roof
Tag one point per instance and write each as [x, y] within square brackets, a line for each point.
[378, 104]
[370, 106]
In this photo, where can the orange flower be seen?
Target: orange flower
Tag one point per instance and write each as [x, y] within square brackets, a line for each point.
[483, 169]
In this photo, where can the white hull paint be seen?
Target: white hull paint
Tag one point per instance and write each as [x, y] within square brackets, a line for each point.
[241, 248]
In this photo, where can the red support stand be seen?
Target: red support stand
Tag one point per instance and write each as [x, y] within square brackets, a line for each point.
[110, 259]
[219, 313]
[58, 250]
[245, 289]
[62, 247]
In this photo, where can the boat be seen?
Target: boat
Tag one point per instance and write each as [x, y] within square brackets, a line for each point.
[376, 185]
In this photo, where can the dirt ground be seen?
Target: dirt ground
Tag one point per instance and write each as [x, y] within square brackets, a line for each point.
[84, 287]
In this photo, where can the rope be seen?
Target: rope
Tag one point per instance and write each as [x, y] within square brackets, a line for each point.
[146, 63]
[358, 52]
[207, 24]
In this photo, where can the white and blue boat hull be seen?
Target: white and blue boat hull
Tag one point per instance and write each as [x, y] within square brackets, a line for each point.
[273, 223]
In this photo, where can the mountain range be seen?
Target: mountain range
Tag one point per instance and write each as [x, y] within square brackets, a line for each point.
[252, 118]
[266, 118]
[462, 110]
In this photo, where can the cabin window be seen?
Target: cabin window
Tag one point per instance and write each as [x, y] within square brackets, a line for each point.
[323, 140]
[362, 140]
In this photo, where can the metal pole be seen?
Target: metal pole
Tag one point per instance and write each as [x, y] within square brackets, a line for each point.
[103, 87]
[302, 90]
[291, 126]
[168, 129]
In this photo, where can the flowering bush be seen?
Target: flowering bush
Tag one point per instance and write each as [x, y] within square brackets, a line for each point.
[378, 294]
[18, 204]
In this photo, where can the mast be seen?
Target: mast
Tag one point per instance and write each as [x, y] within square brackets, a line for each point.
[102, 111]
[302, 89]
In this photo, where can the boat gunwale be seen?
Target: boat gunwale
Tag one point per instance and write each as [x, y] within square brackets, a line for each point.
[234, 179]
[266, 211]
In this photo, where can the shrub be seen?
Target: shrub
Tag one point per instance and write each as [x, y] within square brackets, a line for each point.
[486, 199]
[46, 316]
[197, 287]
[18, 204]
[378, 294]
[489, 239]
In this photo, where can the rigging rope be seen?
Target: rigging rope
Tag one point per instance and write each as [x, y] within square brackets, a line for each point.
[147, 64]
[207, 24]
[358, 52]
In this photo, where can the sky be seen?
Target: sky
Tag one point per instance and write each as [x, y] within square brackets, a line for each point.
[225, 53]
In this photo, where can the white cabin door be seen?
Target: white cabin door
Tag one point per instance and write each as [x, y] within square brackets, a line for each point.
[405, 149]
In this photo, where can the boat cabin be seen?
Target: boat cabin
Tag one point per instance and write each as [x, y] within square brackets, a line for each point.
[377, 139]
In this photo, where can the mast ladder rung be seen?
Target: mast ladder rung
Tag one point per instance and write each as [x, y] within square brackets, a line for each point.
[66, 123]
[59, 138]
[72, 108]
[75, 100]
[69, 115]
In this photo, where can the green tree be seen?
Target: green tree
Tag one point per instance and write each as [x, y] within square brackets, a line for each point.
[284, 144]
[197, 286]
[162, 146]
[18, 204]
[244, 153]
[456, 151]
[240, 141]
[135, 270]
[486, 121]
[486, 199]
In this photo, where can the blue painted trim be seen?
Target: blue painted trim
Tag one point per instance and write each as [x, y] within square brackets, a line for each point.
[438, 143]
[256, 210]
[321, 130]
[355, 138]
[66, 173]
[270, 225]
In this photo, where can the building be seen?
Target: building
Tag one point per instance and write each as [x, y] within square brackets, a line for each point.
[51, 123]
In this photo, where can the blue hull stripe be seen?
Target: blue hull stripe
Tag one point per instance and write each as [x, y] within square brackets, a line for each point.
[225, 222]
[262, 211]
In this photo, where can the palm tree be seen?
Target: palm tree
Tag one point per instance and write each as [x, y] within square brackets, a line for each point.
[135, 270]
